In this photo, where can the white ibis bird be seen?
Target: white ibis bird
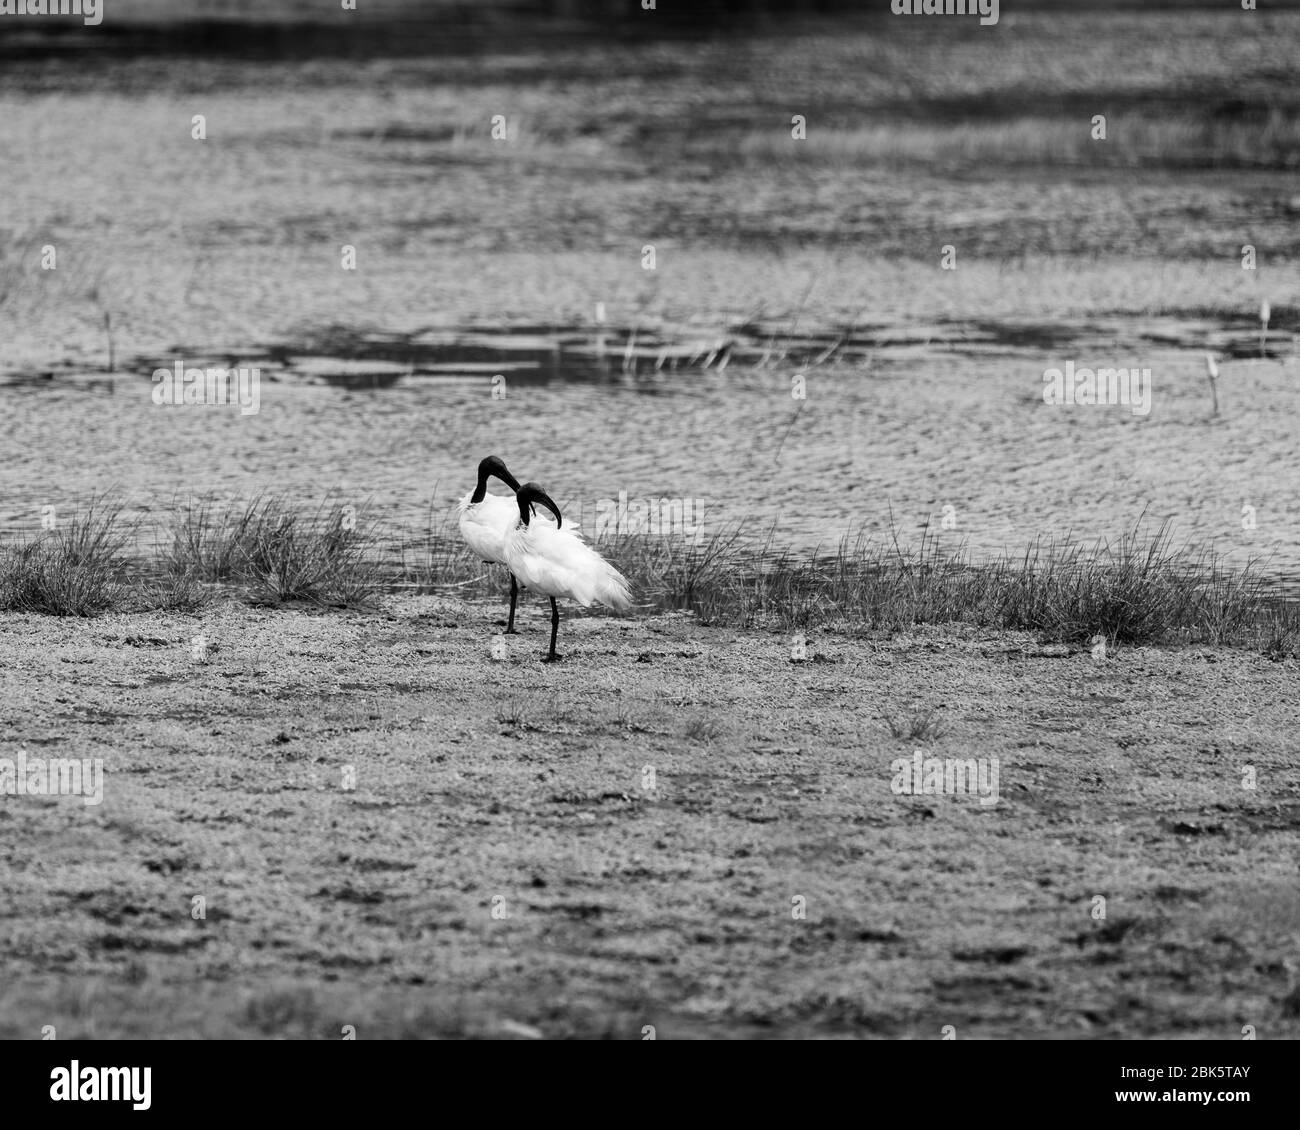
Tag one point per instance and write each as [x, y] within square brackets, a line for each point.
[485, 519]
[554, 559]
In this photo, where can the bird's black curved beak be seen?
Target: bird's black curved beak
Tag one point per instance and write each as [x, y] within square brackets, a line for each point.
[529, 495]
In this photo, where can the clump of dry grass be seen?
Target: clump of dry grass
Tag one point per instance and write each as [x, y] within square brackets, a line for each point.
[669, 573]
[326, 557]
[1138, 588]
[439, 559]
[174, 592]
[702, 729]
[1281, 630]
[920, 725]
[76, 569]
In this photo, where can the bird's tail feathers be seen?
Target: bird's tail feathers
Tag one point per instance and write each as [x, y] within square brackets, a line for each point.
[614, 592]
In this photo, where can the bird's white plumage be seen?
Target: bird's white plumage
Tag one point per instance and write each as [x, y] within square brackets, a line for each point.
[484, 525]
[558, 562]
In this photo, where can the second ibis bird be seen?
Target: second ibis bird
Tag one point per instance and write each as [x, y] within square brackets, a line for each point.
[554, 559]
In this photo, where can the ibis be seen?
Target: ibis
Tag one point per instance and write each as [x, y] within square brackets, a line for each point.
[556, 561]
[485, 519]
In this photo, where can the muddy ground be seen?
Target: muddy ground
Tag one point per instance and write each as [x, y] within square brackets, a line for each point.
[501, 868]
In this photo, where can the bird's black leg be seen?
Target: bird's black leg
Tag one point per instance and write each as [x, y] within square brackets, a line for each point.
[514, 595]
[555, 627]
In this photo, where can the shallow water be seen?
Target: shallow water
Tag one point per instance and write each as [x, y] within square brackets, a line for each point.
[893, 426]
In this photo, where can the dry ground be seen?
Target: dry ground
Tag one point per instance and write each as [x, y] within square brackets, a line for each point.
[486, 782]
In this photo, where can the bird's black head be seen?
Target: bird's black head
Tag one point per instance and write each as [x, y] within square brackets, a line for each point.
[528, 496]
[492, 466]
